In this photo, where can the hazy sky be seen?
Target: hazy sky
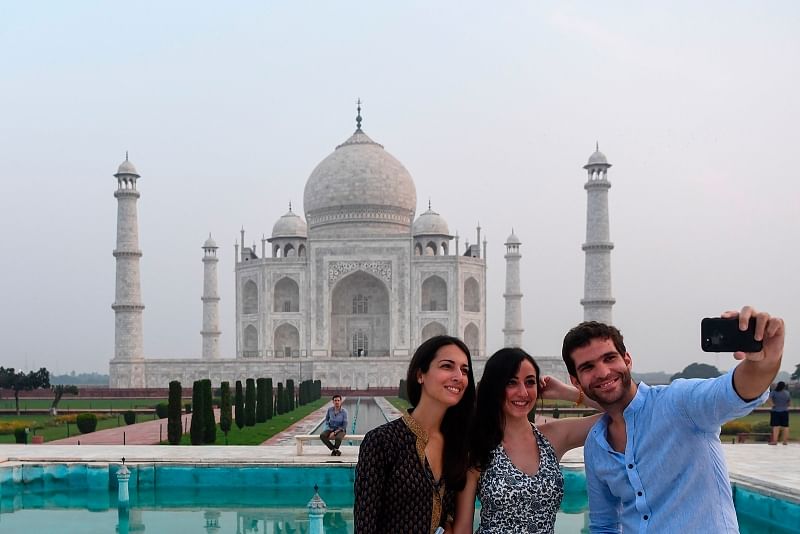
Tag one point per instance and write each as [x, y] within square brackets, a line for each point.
[494, 107]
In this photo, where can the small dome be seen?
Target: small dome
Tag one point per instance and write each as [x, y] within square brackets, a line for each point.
[126, 167]
[430, 223]
[210, 243]
[597, 158]
[513, 239]
[290, 225]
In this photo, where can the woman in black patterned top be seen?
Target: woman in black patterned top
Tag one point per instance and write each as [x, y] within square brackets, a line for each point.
[409, 470]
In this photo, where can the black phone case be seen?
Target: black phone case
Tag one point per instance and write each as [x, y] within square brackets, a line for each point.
[718, 334]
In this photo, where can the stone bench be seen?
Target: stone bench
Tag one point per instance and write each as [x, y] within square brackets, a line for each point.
[741, 437]
[302, 438]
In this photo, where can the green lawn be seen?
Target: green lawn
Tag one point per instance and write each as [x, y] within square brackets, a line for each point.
[68, 404]
[399, 403]
[256, 435]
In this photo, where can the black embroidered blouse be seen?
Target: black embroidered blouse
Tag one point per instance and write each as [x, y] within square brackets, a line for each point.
[395, 491]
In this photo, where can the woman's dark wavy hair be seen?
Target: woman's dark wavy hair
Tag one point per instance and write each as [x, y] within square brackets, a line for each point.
[487, 428]
[456, 419]
[780, 386]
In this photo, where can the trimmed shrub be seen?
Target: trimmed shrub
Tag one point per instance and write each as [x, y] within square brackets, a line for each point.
[735, 427]
[279, 401]
[225, 408]
[87, 422]
[174, 429]
[402, 391]
[238, 412]
[162, 410]
[250, 402]
[188, 407]
[129, 416]
[261, 400]
[210, 427]
[270, 398]
[762, 426]
[21, 436]
[197, 430]
[290, 395]
[317, 389]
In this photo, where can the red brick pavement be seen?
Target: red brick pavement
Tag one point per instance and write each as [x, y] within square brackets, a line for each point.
[147, 433]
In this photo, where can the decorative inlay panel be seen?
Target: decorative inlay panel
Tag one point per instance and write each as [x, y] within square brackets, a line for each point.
[381, 269]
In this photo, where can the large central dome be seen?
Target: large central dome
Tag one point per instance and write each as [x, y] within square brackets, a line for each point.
[360, 189]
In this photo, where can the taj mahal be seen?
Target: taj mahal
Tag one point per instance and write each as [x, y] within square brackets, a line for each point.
[345, 294]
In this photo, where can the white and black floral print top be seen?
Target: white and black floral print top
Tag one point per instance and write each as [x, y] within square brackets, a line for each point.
[512, 501]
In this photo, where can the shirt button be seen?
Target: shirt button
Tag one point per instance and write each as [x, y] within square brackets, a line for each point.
[630, 466]
[645, 518]
[639, 493]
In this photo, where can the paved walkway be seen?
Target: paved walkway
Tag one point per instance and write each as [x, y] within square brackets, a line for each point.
[147, 433]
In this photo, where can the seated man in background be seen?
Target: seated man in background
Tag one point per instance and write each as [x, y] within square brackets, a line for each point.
[335, 426]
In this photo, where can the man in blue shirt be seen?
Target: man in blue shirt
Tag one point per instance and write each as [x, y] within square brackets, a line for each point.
[654, 462]
[335, 426]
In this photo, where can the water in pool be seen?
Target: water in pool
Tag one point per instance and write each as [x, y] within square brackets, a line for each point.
[273, 510]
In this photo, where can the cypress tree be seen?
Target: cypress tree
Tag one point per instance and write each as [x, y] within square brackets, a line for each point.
[317, 389]
[261, 400]
[197, 431]
[279, 401]
[239, 405]
[250, 402]
[210, 429]
[290, 394]
[174, 413]
[225, 408]
[270, 399]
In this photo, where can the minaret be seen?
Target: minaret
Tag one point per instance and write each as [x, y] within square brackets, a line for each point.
[210, 298]
[512, 332]
[597, 300]
[128, 300]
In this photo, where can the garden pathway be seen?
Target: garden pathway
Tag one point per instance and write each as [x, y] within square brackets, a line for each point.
[146, 433]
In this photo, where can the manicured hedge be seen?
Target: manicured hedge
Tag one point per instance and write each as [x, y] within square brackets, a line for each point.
[87, 422]
[225, 408]
[238, 412]
[250, 402]
[197, 432]
[174, 429]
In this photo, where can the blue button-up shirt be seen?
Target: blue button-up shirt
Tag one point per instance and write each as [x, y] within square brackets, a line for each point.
[336, 420]
[672, 476]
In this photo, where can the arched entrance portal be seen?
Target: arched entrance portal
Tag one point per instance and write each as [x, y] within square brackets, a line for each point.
[360, 317]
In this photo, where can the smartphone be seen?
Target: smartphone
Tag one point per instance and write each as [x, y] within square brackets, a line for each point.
[718, 334]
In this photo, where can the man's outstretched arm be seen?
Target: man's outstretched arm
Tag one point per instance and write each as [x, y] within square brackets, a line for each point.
[754, 375]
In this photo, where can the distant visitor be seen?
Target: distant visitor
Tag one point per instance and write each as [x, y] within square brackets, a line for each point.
[335, 426]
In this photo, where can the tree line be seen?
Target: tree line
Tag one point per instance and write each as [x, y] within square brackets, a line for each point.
[255, 401]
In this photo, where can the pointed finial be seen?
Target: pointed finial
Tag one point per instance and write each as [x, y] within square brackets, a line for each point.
[358, 117]
[597, 146]
[316, 488]
[429, 203]
[290, 206]
[126, 155]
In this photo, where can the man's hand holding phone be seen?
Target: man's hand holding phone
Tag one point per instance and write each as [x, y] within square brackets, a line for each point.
[766, 330]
